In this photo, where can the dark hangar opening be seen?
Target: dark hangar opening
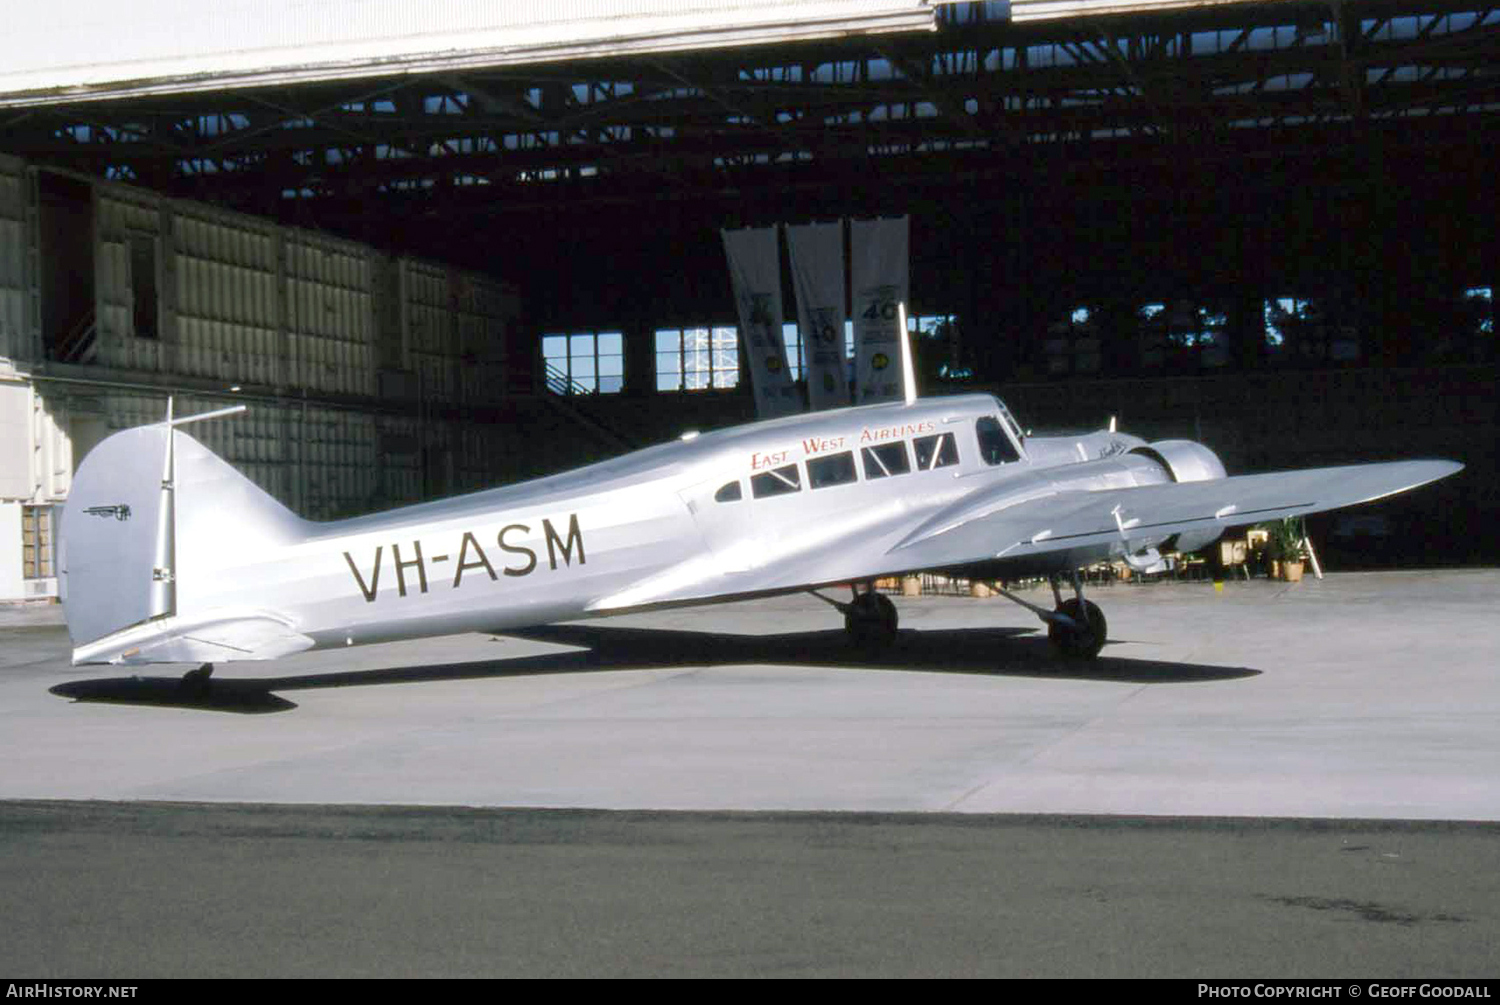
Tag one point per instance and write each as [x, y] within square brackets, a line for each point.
[1270, 223]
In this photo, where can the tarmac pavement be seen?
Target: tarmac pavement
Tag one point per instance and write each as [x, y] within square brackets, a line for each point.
[1258, 781]
[1369, 695]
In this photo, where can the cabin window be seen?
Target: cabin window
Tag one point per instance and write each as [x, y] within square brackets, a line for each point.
[937, 451]
[730, 492]
[886, 459]
[835, 469]
[776, 482]
[994, 446]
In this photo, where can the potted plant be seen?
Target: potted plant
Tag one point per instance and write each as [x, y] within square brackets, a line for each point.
[1287, 546]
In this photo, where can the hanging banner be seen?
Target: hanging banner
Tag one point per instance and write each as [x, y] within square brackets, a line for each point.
[878, 273]
[817, 251]
[755, 268]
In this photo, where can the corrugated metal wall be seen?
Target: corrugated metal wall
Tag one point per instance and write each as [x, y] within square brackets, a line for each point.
[321, 461]
[194, 291]
[484, 312]
[125, 219]
[456, 326]
[309, 326]
[330, 314]
[20, 332]
[431, 340]
[238, 300]
[225, 272]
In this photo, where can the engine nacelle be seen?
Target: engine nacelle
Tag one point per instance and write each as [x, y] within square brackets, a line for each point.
[1185, 460]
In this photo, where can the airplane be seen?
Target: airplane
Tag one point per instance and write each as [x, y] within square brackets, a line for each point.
[170, 555]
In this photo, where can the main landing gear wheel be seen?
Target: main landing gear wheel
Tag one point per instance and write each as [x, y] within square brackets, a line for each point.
[870, 619]
[196, 681]
[1075, 627]
[1085, 637]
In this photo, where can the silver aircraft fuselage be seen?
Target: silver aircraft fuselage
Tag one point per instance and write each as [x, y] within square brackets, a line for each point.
[639, 530]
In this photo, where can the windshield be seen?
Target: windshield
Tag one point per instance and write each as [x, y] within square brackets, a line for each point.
[1011, 425]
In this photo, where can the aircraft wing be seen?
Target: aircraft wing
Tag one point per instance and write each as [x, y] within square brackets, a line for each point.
[1029, 516]
[1079, 518]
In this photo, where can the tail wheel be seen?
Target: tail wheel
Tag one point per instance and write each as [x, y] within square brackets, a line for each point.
[1086, 637]
[871, 621]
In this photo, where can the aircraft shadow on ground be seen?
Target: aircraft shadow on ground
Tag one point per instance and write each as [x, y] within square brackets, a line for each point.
[1014, 652]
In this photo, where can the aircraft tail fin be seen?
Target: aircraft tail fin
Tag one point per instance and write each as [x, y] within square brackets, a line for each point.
[111, 536]
[153, 525]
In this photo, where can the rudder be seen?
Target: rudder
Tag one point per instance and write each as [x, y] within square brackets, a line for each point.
[110, 535]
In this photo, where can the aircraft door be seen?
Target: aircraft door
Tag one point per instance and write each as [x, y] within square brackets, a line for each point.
[724, 517]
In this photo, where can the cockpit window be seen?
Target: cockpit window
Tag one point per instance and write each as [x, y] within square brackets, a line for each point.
[729, 492]
[1011, 423]
[886, 459]
[835, 469]
[776, 482]
[938, 451]
[995, 446]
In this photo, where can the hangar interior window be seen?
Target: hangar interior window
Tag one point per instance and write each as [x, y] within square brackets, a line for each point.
[937, 451]
[1184, 331]
[1072, 345]
[885, 460]
[795, 352]
[1481, 300]
[585, 362]
[937, 337]
[791, 337]
[697, 359]
[930, 326]
[1280, 311]
[835, 469]
[1314, 329]
[776, 482]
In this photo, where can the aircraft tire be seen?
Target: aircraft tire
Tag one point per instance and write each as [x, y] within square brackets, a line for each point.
[1079, 643]
[871, 621]
[196, 681]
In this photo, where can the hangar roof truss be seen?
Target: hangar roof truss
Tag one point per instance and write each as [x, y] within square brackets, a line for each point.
[984, 90]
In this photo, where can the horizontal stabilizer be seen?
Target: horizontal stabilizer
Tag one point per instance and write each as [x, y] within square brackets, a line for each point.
[251, 636]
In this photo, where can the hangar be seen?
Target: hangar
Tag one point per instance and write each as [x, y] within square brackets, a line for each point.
[440, 246]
